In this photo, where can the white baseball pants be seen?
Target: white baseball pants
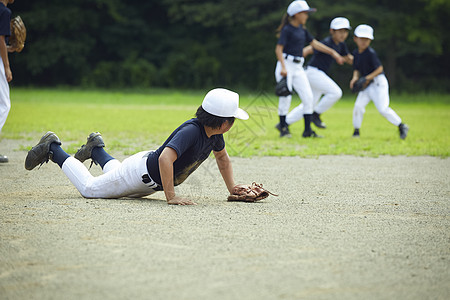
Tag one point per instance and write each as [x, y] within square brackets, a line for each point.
[321, 84]
[118, 179]
[297, 80]
[5, 102]
[378, 92]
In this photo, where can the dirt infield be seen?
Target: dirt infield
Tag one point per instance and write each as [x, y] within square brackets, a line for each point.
[342, 228]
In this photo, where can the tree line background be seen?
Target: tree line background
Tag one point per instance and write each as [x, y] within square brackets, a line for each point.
[201, 44]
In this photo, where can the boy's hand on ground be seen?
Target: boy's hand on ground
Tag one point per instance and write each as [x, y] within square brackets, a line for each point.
[180, 201]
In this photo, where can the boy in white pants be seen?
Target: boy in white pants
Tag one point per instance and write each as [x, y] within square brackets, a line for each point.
[367, 64]
[150, 171]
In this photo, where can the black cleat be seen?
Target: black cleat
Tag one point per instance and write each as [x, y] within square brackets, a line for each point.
[356, 133]
[311, 134]
[403, 128]
[284, 131]
[85, 152]
[317, 121]
[40, 154]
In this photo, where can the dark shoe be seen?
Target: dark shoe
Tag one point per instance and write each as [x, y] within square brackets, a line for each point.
[403, 128]
[3, 159]
[317, 121]
[311, 134]
[94, 140]
[356, 133]
[284, 131]
[41, 153]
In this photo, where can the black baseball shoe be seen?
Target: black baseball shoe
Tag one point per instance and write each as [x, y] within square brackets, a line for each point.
[40, 154]
[3, 159]
[403, 128]
[356, 133]
[85, 152]
[284, 131]
[317, 121]
[311, 134]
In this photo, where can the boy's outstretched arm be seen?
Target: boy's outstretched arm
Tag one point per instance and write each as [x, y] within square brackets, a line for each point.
[225, 168]
[325, 49]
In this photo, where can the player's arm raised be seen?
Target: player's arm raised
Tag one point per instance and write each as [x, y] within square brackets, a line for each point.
[325, 49]
[225, 168]
[166, 160]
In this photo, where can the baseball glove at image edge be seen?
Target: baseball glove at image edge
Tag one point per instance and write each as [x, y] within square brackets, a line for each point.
[18, 34]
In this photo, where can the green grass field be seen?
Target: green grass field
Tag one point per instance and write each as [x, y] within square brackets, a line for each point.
[132, 121]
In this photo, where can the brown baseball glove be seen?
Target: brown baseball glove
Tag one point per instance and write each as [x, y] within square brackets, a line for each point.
[18, 34]
[249, 193]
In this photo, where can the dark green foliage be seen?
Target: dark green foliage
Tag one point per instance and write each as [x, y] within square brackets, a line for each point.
[199, 44]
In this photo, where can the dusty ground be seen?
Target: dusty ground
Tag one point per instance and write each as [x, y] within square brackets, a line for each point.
[342, 228]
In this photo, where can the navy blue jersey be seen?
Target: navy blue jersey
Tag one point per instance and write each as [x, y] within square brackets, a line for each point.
[294, 39]
[365, 62]
[5, 20]
[323, 61]
[192, 145]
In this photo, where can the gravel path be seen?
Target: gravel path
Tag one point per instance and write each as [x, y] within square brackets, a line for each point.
[343, 227]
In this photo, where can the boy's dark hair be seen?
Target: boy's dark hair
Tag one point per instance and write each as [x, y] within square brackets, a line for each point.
[207, 119]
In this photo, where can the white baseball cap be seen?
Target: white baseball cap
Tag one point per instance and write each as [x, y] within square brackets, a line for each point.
[340, 23]
[223, 103]
[364, 31]
[298, 6]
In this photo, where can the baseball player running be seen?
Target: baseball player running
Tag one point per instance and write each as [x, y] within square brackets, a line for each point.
[317, 73]
[376, 88]
[289, 51]
[149, 171]
[5, 70]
